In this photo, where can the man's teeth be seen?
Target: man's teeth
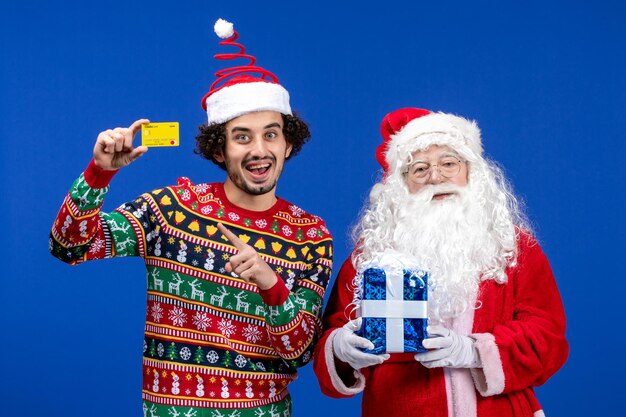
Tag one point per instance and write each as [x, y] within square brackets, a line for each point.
[259, 168]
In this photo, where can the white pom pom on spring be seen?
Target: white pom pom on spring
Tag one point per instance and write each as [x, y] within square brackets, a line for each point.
[223, 28]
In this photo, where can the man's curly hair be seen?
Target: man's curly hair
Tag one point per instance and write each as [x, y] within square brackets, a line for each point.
[212, 138]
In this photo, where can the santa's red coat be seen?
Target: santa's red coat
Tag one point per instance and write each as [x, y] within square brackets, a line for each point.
[519, 329]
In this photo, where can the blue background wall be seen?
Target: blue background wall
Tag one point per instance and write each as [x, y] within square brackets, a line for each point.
[544, 79]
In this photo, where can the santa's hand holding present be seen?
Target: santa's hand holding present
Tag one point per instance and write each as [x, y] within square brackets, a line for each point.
[347, 347]
[448, 349]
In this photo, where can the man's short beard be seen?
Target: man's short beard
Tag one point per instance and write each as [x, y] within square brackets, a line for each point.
[251, 189]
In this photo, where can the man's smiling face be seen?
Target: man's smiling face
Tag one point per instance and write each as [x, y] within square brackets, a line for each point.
[255, 152]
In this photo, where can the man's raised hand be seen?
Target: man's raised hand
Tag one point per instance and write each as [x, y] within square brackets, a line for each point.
[247, 264]
[114, 147]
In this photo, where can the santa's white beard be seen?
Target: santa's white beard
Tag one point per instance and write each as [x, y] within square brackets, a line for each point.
[449, 238]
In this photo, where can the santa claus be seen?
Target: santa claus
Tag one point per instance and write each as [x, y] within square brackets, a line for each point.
[496, 320]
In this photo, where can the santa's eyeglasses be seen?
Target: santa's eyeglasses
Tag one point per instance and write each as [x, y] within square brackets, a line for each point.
[420, 172]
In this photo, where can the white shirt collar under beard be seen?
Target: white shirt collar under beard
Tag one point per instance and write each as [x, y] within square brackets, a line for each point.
[450, 239]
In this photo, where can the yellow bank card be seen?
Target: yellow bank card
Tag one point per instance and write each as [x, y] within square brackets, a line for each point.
[160, 134]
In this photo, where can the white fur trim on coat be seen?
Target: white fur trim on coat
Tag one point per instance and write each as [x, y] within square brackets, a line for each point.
[239, 99]
[459, 385]
[338, 383]
[460, 134]
[489, 380]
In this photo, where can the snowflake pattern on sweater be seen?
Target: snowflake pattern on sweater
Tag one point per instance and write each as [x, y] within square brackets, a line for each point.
[212, 341]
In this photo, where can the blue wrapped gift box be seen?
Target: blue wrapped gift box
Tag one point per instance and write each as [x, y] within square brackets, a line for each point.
[394, 309]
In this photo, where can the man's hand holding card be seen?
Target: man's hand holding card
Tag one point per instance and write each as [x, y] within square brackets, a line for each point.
[114, 147]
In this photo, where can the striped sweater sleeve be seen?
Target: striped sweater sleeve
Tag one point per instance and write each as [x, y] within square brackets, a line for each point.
[81, 231]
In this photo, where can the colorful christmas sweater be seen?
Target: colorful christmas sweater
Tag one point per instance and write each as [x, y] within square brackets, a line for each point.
[214, 344]
[519, 328]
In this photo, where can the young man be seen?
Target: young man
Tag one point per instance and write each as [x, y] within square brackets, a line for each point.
[236, 275]
[496, 320]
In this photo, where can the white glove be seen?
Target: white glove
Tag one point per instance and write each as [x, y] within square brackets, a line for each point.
[449, 349]
[346, 346]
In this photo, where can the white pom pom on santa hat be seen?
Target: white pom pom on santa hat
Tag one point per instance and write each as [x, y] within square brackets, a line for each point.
[223, 29]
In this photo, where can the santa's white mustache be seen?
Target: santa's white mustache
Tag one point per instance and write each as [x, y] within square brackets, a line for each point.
[429, 191]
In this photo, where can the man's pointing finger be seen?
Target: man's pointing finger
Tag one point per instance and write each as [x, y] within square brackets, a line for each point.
[231, 236]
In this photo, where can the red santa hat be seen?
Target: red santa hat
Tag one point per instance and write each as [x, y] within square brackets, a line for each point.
[412, 129]
[241, 89]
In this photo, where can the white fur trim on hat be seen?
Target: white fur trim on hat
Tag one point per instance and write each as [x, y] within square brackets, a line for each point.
[442, 129]
[238, 99]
